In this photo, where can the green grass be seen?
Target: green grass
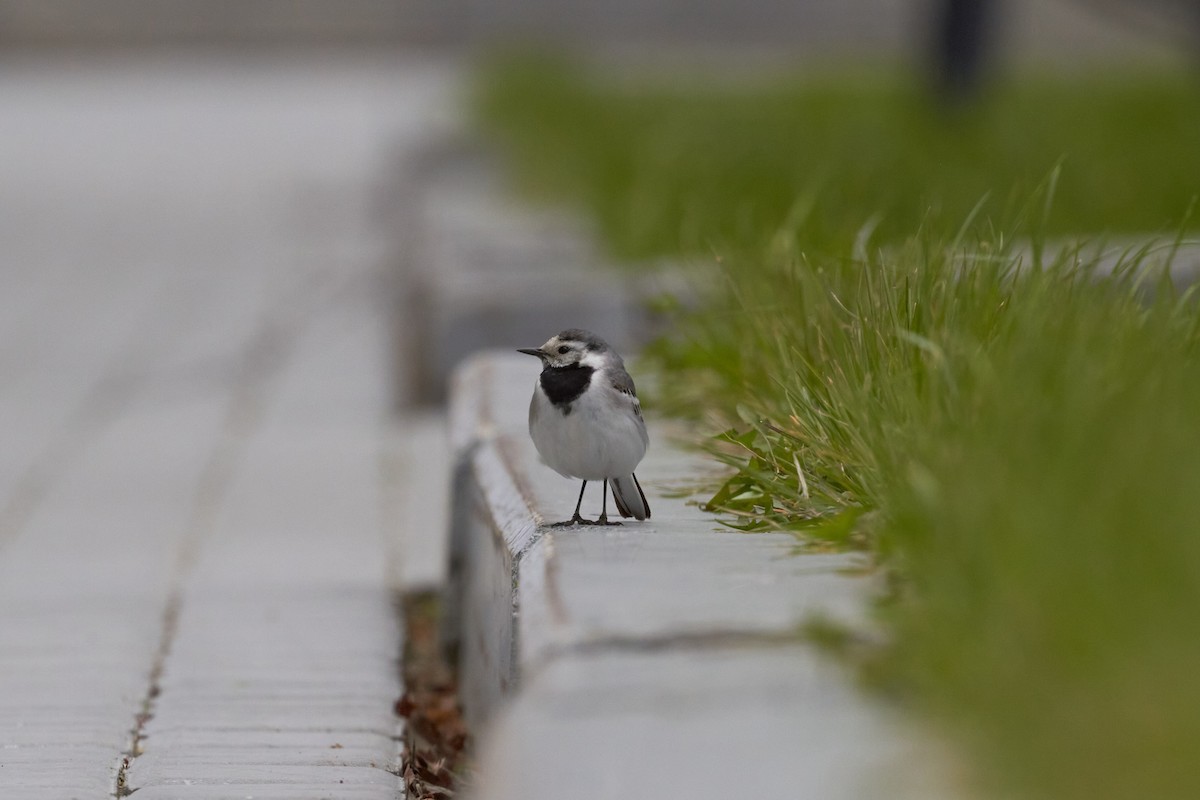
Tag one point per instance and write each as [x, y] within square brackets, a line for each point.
[665, 170]
[1018, 445]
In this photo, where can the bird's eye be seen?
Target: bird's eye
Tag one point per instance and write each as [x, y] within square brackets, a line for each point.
[564, 350]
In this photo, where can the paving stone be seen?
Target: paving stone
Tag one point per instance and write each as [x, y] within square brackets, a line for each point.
[287, 622]
[241, 750]
[680, 574]
[63, 790]
[697, 723]
[482, 269]
[271, 791]
[416, 461]
[82, 592]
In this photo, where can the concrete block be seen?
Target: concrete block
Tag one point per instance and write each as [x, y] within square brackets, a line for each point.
[417, 474]
[778, 723]
[270, 791]
[480, 269]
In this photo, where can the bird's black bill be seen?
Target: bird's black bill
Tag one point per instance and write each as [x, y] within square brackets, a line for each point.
[530, 351]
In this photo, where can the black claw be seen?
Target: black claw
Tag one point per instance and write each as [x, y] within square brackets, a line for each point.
[580, 521]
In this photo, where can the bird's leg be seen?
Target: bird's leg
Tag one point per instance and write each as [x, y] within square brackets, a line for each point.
[575, 518]
[604, 508]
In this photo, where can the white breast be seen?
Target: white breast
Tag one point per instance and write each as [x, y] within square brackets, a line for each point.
[601, 438]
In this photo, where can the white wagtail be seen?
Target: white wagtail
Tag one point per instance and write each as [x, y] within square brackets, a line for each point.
[586, 421]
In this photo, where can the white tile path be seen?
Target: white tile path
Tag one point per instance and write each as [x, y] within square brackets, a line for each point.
[195, 453]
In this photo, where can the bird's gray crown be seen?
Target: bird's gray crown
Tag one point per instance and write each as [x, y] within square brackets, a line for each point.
[589, 340]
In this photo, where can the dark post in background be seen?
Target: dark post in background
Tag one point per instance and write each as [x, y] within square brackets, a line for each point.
[961, 39]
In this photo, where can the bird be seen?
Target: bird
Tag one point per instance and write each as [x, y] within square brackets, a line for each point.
[586, 421]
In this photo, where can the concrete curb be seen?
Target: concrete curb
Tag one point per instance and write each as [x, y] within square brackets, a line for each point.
[638, 661]
[477, 267]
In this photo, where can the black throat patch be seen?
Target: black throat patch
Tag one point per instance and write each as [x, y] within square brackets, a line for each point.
[564, 385]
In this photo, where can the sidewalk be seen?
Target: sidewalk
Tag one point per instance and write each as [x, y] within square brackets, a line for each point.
[199, 535]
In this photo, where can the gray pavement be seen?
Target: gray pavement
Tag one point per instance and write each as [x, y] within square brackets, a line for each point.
[201, 533]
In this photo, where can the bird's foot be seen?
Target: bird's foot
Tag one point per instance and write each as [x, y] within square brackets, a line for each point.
[577, 521]
[571, 523]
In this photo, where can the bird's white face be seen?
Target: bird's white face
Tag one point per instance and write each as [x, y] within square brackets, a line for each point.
[567, 349]
[563, 352]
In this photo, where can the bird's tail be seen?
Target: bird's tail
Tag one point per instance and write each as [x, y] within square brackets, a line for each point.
[631, 500]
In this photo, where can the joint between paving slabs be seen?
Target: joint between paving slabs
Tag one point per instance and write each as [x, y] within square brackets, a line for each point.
[713, 640]
[260, 362]
[839, 640]
[153, 689]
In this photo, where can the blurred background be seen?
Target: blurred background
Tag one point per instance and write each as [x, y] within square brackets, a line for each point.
[1068, 28]
[236, 236]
